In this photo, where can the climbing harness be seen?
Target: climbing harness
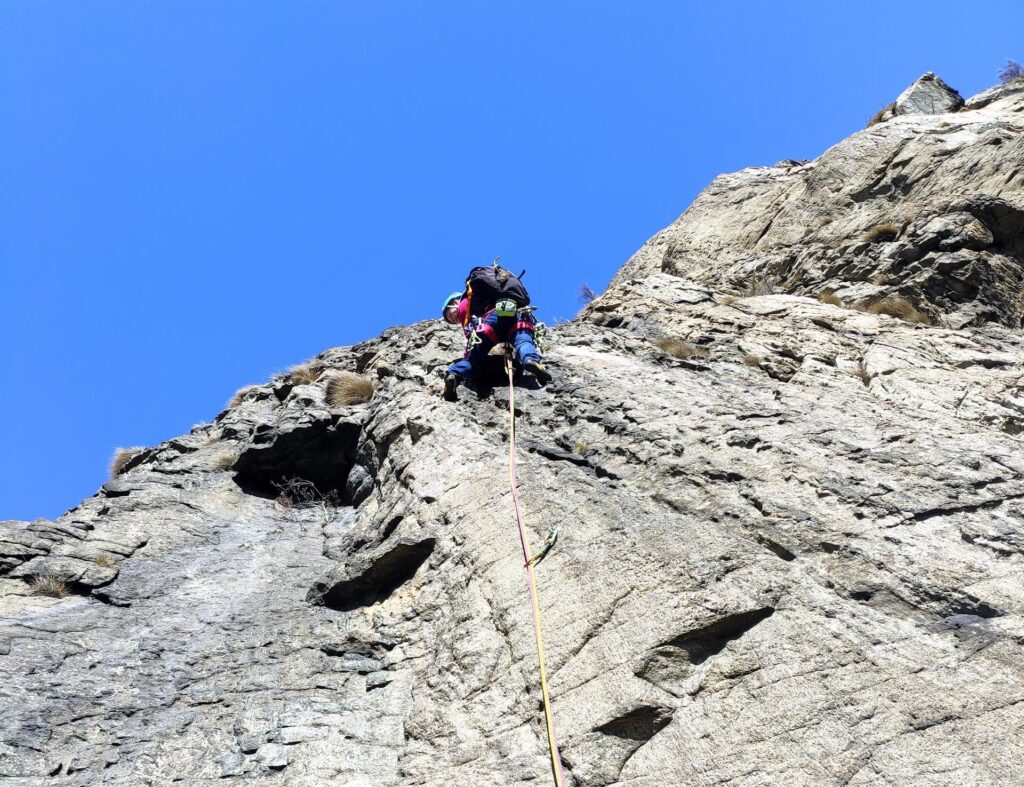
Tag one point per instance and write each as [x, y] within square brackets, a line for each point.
[530, 563]
[525, 321]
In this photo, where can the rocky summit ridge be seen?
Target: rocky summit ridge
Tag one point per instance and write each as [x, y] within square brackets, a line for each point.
[784, 451]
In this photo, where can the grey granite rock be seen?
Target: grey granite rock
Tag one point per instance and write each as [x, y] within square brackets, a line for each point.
[273, 756]
[860, 219]
[794, 556]
[929, 95]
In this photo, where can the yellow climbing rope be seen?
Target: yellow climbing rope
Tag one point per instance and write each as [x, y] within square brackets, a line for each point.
[556, 760]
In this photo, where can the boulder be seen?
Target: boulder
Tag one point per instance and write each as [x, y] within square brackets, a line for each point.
[929, 95]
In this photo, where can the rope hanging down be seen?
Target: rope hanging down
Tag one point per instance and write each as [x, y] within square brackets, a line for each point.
[529, 563]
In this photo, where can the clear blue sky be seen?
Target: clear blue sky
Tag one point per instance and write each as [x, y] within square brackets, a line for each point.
[194, 195]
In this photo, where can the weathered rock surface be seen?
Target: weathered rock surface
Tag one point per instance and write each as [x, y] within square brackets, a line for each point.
[794, 555]
[924, 206]
[928, 96]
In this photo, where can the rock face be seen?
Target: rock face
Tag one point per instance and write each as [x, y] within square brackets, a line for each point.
[924, 206]
[792, 533]
[928, 96]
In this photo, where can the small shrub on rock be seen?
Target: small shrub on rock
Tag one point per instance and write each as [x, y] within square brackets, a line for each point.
[861, 372]
[300, 493]
[306, 373]
[678, 348]
[882, 114]
[240, 395]
[347, 388]
[47, 586]
[881, 233]
[206, 433]
[827, 296]
[224, 459]
[752, 360]
[122, 456]
[898, 307]
[586, 295]
[1012, 73]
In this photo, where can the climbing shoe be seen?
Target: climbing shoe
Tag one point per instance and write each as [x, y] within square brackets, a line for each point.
[537, 370]
[451, 382]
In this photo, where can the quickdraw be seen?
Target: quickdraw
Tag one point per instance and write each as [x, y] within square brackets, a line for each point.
[541, 337]
[550, 541]
[472, 332]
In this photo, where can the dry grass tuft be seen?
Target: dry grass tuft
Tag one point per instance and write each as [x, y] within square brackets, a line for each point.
[47, 586]
[881, 233]
[346, 388]
[306, 373]
[753, 360]
[898, 307]
[861, 372]
[827, 296]
[728, 300]
[206, 433]
[103, 560]
[240, 396]
[679, 348]
[579, 448]
[880, 115]
[224, 459]
[121, 458]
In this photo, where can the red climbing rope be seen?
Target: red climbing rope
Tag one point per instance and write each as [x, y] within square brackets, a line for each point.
[556, 760]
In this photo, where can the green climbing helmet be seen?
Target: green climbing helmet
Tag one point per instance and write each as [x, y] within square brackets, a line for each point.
[455, 296]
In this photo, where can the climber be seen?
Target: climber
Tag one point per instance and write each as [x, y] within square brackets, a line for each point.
[493, 309]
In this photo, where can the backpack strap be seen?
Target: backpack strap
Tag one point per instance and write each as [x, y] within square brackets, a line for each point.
[469, 304]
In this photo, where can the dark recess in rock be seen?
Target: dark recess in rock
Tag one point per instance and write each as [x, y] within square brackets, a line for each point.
[322, 453]
[978, 609]
[776, 549]
[639, 724]
[700, 644]
[381, 577]
[671, 663]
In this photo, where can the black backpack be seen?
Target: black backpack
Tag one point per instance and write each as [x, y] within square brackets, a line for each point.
[488, 284]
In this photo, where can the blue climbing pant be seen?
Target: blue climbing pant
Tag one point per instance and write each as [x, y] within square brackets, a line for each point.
[492, 330]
